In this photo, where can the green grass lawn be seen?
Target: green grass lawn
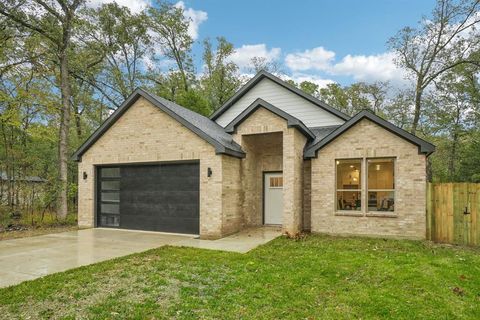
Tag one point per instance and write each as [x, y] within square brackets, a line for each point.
[318, 277]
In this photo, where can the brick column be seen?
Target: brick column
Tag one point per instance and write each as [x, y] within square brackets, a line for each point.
[293, 144]
[211, 198]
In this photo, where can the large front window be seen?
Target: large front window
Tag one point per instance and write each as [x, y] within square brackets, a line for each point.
[381, 184]
[378, 181]
[349, 184]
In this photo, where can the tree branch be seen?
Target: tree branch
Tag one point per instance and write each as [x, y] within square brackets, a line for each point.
[49, 9]
[25, 24]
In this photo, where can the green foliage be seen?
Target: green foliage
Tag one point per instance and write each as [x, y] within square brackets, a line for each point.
[220, 79]
[123, 42]
[469, 158]
[194, 100]
[317, 277]
[170, 28]
[309, 87]
[112, 51]
[356, 97]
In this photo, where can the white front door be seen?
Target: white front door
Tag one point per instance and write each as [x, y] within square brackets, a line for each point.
[273, 200]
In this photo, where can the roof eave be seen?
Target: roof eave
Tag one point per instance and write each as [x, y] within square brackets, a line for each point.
[260, 103]
[424, 147]
[263, 74]
[106, 125]
[230, 152]
[132, 99]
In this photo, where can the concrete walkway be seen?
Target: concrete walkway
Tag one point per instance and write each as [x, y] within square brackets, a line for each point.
[30, 258]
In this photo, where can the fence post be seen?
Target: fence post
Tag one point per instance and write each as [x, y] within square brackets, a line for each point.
[429, 208]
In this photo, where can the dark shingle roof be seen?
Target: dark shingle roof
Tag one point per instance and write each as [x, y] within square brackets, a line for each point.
[322, 132]
[200, 125]
[424, 147]
[209, 127]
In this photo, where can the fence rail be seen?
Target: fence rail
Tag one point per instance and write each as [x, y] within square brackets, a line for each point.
[453, 213]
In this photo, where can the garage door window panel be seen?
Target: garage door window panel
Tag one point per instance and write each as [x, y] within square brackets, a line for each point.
[110, 185]
[157, 197]
[109, 197]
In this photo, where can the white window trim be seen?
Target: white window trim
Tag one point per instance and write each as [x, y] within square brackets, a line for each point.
[276, 187]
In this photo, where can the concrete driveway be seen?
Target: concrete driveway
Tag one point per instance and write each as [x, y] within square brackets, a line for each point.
[30, 258]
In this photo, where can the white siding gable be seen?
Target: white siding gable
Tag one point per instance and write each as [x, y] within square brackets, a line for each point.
[310, 114]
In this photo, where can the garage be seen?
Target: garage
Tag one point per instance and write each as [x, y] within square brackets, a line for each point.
[153, 197]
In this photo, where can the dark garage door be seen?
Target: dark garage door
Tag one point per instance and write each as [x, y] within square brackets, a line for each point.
[162, 197]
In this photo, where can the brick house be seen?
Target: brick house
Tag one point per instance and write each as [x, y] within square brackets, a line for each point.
[270, 155]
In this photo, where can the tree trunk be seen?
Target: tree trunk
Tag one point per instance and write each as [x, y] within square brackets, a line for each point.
[429, 170]
[78, 123]
[63, 135]
[453, 154]
[452, 159]
[418, 104]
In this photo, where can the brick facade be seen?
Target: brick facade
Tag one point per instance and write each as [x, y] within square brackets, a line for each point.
[271, 145]
[145, 134]
[264, 154]
[307, 194]
[293, 145]
[367, 139]
[232, 198]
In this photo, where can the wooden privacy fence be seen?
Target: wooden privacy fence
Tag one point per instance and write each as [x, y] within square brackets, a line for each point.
[453, 213]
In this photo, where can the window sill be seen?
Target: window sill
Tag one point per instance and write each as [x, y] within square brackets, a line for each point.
[349, 214]
[382, 214]
[368, 214]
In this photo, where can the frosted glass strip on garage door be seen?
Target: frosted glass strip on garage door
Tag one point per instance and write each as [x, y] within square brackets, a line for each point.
[109, 197]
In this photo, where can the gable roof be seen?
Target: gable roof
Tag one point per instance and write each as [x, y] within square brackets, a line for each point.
[423, 146]
[264, 74]
[200, 125]
[260, 103]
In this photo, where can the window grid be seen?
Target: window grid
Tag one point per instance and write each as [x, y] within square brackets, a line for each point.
[385, 204]
[354, 204]
[365, 211]
[276, 182]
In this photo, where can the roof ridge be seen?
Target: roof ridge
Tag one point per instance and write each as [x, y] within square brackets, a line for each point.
[264, 74]
[193, 113]
[210, 132]
[259, 102]
[423, 145]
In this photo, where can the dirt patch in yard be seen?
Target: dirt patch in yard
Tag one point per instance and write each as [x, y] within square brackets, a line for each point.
[16, 232]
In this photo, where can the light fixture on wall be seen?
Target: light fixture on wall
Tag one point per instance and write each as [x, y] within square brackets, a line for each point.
[377, 167]
[85, 175]
[209, 172]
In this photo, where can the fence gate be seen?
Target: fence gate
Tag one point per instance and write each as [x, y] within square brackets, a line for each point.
[453, 213]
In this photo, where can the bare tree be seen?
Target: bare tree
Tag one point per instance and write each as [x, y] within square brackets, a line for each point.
[441, 43]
